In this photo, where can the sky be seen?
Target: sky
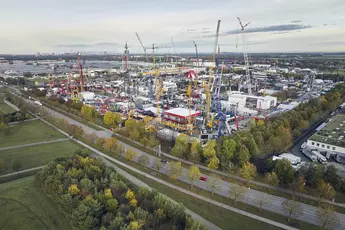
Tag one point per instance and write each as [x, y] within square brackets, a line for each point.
[58, 26]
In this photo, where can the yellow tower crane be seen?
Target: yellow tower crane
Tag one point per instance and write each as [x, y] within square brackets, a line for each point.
[208, 87]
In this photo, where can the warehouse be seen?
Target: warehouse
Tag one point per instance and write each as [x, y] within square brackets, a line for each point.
[180, 115]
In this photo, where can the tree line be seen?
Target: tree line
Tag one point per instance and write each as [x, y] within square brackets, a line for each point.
[93, 196]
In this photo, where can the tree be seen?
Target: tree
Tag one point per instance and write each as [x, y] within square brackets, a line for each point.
[327, 217]
[130, 154]
[73, 190]
[297, 185]
[284, 171]
[248, 171]
[193, 174]
[263, 197]
[213, 163]
[271, 178]
[112, 119]
[213, 184]
[209, 149]
[181, 146]
[158, 165]
[325, 190]
[143, 159]
[89, 113]
[100, 142]
[236, 191]
[242, 155]
[2, 164]
[227, 154]
[110, 144]
[16, 165]
[111, 204]
[195, 151]
[175, 169]
[332, 176]
[293, 207]
[134, 135]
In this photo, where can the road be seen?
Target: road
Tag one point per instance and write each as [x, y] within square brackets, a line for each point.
[306, 213]
[33, 144]
[136, 181]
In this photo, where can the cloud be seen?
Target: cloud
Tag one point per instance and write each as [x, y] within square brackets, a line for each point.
[296, 21]
[96, 45]
[273, 28]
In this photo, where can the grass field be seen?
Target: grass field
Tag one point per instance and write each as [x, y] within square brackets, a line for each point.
[29, 132]
[5, 109]
[25, 206]
[33, 156]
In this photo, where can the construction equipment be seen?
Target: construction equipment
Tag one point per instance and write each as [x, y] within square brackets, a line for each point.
[245, 56]
[191, 74]
[144, 48]
[156, 73]
[125, 57]
[81, 77]
[208, 87]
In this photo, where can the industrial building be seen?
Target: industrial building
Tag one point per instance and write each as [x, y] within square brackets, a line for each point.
[329, 138]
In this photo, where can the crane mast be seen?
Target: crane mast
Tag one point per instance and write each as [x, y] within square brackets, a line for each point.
[245, 56]
[81, 79]
[157, 90]
[142, 47]
[208, 88]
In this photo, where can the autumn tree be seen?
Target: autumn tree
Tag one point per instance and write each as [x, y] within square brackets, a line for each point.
[242, 154]
[73, 190]
[297, 185]
[110, 144]
[284, 171]
[213, 184]
[89, 113]
[227, 154]
[213, 163]
[112, 119]
[158, 165]
[195, 151]
[293, 207]
[210, 154]
[130, 154]
[143, 159]
[248, 171]
[193, 174]
[271, 178]
[325, 190]
[175, 170]
[327, 217]
[236, 191]
[181, 146]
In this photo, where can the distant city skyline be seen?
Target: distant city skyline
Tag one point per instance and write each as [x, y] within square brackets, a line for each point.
[62, 26]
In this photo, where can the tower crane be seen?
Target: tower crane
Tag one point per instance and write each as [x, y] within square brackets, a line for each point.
[157, 90]
[208, 87]
[144, 48]
[173, 46]
[245, 56]
[81, 78]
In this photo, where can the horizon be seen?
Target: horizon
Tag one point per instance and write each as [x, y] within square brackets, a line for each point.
[278, 26]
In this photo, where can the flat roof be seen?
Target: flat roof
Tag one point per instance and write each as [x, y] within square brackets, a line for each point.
[182, 112]
[333, 133]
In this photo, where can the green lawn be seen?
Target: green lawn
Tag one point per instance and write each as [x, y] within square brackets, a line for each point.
[5, 109]
[25, 206]
[29, 132]
[33, 156]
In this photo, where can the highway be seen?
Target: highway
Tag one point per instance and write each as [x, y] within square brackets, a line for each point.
[253, 197]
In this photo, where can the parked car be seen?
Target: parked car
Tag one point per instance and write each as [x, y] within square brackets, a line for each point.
[203, 178]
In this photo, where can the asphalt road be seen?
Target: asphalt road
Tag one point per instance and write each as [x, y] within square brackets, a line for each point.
[306, 213]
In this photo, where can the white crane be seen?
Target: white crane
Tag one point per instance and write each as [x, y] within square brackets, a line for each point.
[142, 47]
[245, 56]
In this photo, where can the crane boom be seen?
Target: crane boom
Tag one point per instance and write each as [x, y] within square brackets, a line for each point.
[142, 46]
[208, 91]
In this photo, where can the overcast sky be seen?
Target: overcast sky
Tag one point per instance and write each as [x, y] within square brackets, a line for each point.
[31, 26]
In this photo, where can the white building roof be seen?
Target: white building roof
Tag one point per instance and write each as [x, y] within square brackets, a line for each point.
[181, 112]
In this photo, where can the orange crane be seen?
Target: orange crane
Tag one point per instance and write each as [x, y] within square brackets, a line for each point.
[208, 86]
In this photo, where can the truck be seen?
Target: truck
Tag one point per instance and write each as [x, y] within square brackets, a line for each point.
[320, 158]
[38, 103]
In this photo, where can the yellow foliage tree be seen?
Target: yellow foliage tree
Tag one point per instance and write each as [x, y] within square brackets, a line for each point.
[133, 202]
[134, 225]
[73, 189]
[108, 194]
[130, 154]
[129, 194]
[110, 144]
